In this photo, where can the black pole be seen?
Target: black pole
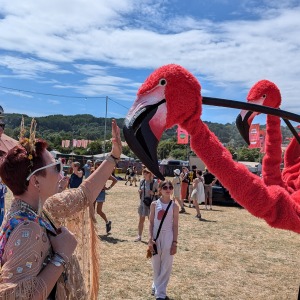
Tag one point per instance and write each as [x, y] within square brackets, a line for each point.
[252, 107]
[285, 115]
[292, 129]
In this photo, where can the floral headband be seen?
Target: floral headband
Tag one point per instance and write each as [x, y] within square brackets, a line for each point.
[28, 143]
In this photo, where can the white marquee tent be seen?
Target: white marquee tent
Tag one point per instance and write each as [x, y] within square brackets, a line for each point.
[103, 155]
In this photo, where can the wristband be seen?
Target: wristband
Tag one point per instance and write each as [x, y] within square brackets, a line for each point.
[112, 159]
[63, 256]
[58, 261]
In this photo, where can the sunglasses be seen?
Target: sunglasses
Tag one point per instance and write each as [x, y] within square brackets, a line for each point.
[2, 126]
[57, 164]
[166, 187]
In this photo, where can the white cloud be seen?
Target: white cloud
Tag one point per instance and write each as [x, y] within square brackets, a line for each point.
[90, 70]
[54, 102]
[96, 36]
[28, 68]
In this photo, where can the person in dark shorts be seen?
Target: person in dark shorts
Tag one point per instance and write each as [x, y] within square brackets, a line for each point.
[209, 181]
[101, 198]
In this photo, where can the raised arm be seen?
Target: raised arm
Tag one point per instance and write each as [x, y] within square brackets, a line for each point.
[69, 202]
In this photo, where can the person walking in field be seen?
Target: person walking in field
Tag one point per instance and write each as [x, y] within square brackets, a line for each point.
[209, 181]
[177, 190]
[128, 175]
[134, 176]
[198, 193]
[184, 176]
[101, 197]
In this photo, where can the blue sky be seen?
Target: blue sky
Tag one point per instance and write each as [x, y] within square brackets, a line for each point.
[86, 50]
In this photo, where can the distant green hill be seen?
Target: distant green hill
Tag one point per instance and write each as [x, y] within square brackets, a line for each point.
[55, 128]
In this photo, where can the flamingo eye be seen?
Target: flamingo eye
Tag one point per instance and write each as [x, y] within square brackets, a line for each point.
[264, 96]
[162, 82]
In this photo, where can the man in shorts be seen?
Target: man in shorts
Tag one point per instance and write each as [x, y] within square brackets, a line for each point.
[209, 181]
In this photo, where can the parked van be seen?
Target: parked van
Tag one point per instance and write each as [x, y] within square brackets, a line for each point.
[167, 166]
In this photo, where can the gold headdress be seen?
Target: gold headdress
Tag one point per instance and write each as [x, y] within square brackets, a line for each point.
[28, 143]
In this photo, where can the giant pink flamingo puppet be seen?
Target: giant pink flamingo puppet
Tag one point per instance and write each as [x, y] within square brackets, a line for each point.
[267, 93]
[172, 95]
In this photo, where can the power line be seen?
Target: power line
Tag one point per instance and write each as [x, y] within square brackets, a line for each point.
[61, 96]
[118, 103]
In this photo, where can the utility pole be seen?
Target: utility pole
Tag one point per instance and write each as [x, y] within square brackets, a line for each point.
[106, 100]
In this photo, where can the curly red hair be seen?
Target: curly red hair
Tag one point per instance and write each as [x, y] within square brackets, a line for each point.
[16, 166]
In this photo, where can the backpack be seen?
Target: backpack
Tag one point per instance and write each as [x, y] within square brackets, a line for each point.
[149, 200]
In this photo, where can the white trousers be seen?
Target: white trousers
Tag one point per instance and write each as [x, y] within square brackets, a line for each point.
[162, 263]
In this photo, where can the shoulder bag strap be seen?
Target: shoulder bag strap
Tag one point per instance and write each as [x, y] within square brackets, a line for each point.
[162, 220]
[151, 187]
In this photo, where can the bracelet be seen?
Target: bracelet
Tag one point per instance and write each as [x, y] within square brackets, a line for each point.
[174, 242]
[63, 256]
[112, 159]
[57, 260]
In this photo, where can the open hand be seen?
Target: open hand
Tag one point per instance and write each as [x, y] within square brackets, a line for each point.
[116, 140]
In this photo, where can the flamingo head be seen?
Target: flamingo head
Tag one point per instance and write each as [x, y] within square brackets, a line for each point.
[170, 95]
[264, 92]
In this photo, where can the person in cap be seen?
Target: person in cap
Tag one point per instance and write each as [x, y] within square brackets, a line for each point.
[87, 168]
[128, 175]
[177, 189]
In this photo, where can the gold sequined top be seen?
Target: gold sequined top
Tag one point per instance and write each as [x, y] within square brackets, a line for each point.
[28, 247]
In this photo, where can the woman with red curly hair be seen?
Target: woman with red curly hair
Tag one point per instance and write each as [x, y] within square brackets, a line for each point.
[38, 238]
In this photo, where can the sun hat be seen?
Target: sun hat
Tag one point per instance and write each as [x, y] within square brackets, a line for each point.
[177, 172]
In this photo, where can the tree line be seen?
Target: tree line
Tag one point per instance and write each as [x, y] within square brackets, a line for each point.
[55, 128]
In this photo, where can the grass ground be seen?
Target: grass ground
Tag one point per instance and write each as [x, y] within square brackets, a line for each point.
[229, 255]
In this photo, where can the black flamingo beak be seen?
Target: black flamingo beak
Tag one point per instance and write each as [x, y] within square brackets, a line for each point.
[243, 122]
[140, 137]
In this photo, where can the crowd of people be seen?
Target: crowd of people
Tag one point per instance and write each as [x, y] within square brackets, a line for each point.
[190, 186]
